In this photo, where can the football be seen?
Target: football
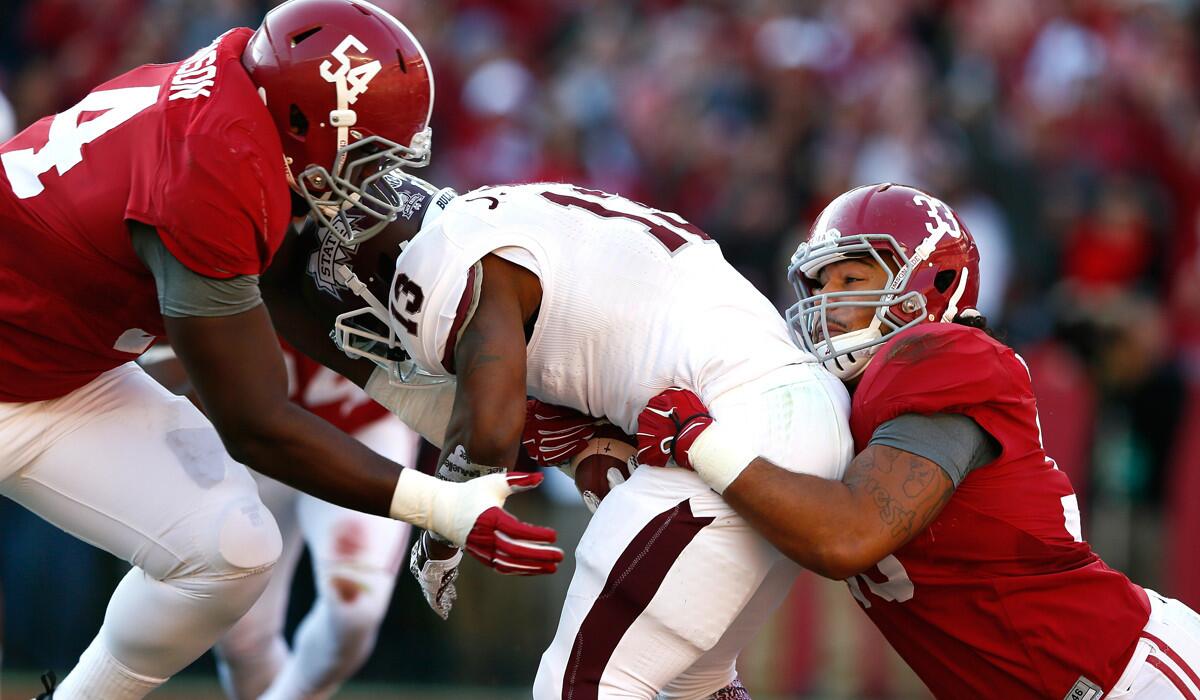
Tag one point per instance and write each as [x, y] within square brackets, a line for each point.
[609, 449]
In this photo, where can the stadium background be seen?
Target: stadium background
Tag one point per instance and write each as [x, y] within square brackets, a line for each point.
[1064, 132]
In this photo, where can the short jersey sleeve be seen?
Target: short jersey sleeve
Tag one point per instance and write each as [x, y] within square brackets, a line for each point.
[934, 368]
[223, 208]
[215, 187]
[954, 442]
[434, 294]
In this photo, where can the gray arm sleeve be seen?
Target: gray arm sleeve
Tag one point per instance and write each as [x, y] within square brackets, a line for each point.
[182, 292]
[954, 442]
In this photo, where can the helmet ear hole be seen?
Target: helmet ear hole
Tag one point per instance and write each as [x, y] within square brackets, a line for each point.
[297, 122]
[944, 279]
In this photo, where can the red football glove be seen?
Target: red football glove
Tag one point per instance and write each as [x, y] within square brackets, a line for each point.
[669, 425]
[555, 434]
[510, 546]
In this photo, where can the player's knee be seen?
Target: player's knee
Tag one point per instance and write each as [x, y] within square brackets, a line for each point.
[243, 542]
[358, 600]
[248, 541]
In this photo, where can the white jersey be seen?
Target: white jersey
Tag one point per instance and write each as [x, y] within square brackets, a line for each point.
[634, 300]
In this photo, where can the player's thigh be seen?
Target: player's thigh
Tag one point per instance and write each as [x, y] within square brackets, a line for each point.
[1166, 662]
[662, 571]
[717, 667]
[142, 474]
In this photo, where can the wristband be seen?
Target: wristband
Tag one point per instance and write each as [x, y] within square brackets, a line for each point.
[719, 456]
[415, 501]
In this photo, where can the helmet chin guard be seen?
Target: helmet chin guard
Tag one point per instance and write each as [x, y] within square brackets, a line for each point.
[847, 355]
[353, 337]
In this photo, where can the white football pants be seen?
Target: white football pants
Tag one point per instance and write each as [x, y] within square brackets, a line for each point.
[355, 559]
[670, 584]
[125, 465]
[1166, 662]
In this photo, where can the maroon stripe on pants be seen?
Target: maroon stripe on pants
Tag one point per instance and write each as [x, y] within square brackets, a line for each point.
[1176, 681]
[1174, 656]
[631, 585]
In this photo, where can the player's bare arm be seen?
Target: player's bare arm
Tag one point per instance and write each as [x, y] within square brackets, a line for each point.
[484, 432]
[836, 528]
[489, 405]
[238, 372]
[841, 528]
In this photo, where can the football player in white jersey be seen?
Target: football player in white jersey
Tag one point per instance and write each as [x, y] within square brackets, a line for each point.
[594, 302]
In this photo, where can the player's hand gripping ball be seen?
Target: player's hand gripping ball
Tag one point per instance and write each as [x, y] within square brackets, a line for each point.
[605, 463]
[591, 450]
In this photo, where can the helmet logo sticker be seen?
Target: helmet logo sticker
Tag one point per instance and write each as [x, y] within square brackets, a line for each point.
[325, 260]
[410, 203]
[351, 82]
[940, 226]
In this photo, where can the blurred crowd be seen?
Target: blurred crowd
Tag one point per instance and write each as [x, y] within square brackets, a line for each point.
[1064, 132]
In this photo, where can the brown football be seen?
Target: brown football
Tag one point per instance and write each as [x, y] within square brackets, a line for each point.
[609, 449]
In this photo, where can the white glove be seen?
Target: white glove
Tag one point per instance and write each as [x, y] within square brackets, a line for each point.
[471, 515]
[436, 576]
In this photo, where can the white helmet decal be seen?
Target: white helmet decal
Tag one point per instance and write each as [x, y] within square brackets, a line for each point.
[351, 82]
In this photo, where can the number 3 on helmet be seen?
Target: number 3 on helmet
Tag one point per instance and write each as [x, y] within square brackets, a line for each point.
[930, 258]
[350, 91]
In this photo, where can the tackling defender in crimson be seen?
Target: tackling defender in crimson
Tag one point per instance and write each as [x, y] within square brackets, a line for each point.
[954, 530]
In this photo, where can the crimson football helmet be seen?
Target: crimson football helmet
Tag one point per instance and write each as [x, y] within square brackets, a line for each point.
[350, 91]
[929, 256]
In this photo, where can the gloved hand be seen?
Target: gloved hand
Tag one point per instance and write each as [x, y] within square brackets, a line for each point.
[606, 463]
[675, 426]
[668, 427]
[555, 434]
[436, 576]
[470, 515]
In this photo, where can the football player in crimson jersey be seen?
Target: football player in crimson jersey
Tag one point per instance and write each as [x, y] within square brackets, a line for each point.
[955, 532]
[151, 208]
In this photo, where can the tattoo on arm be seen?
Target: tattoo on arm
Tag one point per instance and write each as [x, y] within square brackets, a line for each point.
[908, 491]
[472, 353]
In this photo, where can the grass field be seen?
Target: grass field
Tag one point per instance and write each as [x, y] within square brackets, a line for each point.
[23, 686]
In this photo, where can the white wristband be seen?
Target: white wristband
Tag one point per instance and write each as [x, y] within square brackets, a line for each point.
[719, 456]
[421, 499]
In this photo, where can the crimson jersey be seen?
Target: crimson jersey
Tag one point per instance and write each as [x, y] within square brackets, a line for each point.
[186, 147]
[999, 597]
[328, 394]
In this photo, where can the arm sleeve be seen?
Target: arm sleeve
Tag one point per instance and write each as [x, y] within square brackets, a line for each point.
[183, 293]
[953, 441]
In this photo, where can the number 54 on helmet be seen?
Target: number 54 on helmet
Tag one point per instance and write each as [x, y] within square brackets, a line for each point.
[350, 91]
